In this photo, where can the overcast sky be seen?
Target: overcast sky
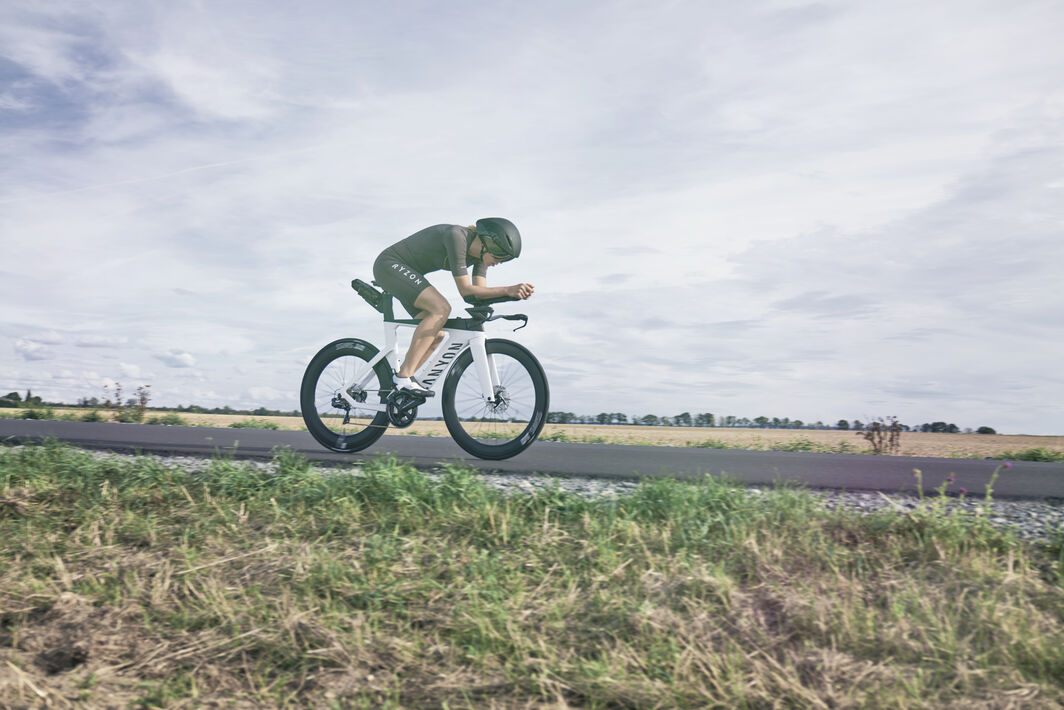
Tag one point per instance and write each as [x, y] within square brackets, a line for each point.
[805, 210]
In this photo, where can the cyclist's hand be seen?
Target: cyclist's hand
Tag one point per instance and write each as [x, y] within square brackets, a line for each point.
[521, 291]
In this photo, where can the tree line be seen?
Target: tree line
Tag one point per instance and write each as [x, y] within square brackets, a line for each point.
[115, 400]
[706, 419]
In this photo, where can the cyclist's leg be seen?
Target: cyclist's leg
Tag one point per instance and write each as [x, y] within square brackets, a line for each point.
[433, 312]
[421, 300]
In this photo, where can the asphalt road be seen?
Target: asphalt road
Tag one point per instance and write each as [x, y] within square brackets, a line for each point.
[839, 471]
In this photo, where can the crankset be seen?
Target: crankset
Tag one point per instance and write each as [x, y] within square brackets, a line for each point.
[402, 408]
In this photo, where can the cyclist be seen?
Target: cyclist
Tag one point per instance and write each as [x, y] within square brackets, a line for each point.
[400, 270]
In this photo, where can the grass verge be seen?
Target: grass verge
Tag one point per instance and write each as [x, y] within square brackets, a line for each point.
[134, 584]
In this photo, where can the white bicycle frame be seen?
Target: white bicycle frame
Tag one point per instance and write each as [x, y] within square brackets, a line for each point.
[434, 371]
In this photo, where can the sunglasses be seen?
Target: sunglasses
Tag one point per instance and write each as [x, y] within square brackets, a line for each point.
[492, 248]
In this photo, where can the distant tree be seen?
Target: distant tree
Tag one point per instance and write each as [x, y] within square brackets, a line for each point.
[797, 424]
[704, 420]
[650, 420]
[761, 422]
[842, 424]
[940, 428]
[682, 419]
[985, 430]
[621, 418]
[858, 425]
[13, 396]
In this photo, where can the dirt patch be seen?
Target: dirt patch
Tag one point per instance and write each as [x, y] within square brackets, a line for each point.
[58, 654]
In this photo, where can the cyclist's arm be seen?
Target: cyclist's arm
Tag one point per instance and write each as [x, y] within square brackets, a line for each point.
[478, 287]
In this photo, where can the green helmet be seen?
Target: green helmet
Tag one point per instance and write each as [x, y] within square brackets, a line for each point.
[500, 237]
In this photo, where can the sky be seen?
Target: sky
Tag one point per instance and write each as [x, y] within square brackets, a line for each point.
[812, 210]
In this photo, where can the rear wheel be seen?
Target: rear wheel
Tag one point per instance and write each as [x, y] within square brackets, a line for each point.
[508, 423]
[345, 423]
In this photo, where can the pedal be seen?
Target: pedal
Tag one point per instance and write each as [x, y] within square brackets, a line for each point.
[419, 394]
[405, 399]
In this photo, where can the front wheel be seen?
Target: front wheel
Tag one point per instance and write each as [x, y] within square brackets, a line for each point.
[341, 395]
[507, 424]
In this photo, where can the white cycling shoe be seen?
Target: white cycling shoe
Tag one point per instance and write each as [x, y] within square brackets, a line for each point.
[411, 385]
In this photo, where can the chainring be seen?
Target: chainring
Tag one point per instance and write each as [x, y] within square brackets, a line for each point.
[402, 409]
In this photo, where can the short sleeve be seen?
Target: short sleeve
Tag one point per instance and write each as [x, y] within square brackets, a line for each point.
[457, 247]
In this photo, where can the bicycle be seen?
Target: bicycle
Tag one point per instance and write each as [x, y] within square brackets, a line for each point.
[494, 391]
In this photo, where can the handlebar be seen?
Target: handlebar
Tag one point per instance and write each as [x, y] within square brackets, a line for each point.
[483, 311]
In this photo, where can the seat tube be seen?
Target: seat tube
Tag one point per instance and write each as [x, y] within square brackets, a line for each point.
[485, 364]
[391, 338]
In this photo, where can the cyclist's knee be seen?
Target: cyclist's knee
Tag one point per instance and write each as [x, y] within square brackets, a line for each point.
[436, 315]
[437, 309]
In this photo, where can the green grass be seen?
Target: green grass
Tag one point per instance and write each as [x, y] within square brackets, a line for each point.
[800, 444]
[168, 419]
[1038, 454]
[254, 424]
[135, 584]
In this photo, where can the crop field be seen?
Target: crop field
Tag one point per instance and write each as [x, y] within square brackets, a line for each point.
[912, 443]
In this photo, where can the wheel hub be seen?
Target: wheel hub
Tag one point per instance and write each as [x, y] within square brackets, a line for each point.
[502, 400]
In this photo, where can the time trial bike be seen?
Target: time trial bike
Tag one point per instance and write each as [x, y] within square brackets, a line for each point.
[494, 393]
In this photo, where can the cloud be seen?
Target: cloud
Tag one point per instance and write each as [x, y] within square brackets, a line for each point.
[130, 370]
[100, 341]
[30, 350]
[177, 359]
[821, 203]
[824, 304]
[50, 338]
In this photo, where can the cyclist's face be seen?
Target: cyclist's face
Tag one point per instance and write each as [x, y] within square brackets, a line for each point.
[491, 260]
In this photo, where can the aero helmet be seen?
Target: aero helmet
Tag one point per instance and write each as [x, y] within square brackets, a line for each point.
[500, 237]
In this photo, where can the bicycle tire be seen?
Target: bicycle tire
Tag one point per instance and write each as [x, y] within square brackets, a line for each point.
[339, 365]
[501, 429]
